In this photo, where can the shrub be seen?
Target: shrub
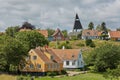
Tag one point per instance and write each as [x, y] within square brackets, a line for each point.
[63, 72]
[81, 44]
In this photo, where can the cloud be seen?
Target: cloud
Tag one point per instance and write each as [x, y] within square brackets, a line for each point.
[49, 13]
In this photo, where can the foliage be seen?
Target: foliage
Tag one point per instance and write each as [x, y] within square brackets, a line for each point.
[65, 33]
[11, 31]
[112, 74]
[105, 56]
[103, 26]
[91, 26]
[50, 32]
[12, 52]
[73, 37]
[31, 38]
[81, 44]
[90, 43]
[118, 29]
[52, 74]
[66, 45]
[28, 25]
[79, 35]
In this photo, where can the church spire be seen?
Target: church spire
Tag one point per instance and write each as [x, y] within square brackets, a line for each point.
[77, 23]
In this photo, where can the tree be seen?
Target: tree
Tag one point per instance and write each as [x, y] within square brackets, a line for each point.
[28, 25]
[98, 27]
[31, 38]
[50, 32]
[91, 26]
[12, 52]
[103, 26]
[11, 31]
[118, 29]
[90, 43]
[65, 34]
[105, 56]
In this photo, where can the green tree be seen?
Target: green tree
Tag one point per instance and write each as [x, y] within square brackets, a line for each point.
[50, 32]
[91, 26]
[11, 31]
[65, 33]
[103, 26]
[105, 56]
[98, 27]
[12, 52]
[31, 38]
[89, 42]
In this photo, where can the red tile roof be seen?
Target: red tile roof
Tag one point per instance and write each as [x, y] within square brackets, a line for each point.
[67, 54]
[56, 33]
[90, 33]
[114, 34]
[43, 32]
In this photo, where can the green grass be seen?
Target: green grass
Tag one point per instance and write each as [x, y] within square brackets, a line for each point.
[87, 76]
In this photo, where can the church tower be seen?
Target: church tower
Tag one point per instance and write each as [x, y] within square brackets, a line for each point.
[77, 24]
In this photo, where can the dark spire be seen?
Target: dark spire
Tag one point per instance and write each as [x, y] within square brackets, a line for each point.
[77, 23]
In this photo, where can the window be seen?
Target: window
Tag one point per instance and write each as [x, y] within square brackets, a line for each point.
[38, 66]
[34, 57]
[49, 66]
[31, 66]
[67, 63]
[52, 57]
[80, 56]
[73, 62]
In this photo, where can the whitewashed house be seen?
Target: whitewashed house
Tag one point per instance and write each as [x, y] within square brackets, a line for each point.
[72, 58]
[90, 34]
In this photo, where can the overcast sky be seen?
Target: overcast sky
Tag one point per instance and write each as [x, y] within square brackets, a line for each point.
[59, 13]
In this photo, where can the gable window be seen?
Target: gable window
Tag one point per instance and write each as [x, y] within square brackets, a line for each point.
[31, 66]
[34, 57]
[73, 62]
[67, 62]
[38, 66]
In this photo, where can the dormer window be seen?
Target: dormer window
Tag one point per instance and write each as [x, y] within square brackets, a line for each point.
[34, 57]
[52, 57]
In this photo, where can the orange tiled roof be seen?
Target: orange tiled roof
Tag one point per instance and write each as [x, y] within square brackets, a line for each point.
[67, 54]
[115, 34]
[43, 32]
[41, 53]
[90, 33]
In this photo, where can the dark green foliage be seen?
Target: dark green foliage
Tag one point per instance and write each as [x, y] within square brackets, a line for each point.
[31, 38]
[63, 72]
[90, 43]
[11, 31]
[105, 56]
[12, 52]
[91, 26]
[112, 74]
[52, 74]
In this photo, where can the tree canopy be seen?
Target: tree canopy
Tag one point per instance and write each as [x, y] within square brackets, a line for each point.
[91, 26]
[10, 31]
[31, 38]
[105, 56]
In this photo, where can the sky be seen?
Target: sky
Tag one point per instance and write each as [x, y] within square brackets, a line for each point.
[59, 13]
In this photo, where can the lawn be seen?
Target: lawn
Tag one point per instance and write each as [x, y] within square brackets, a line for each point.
[87, 76]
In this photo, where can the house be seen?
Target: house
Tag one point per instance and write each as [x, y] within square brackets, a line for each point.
[41, 60]
[114, 35]
[43, 32]
[72, 58]
[90, 34]
[58, 35]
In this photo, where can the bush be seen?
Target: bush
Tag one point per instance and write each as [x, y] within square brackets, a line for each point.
[81, 44]
[67, 46]
[63, 72]
[52, 73]
[90, 43]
